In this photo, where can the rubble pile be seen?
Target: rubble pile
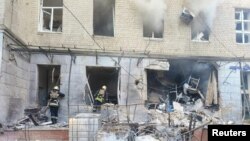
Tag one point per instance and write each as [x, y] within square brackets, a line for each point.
[174, 118]
[33, 117]
[109, 113]
[110, 132]
[161, 125]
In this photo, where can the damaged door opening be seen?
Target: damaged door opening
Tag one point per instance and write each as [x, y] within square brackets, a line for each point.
[48, 77]
[186, 82]
[108, 76]
[158, 86]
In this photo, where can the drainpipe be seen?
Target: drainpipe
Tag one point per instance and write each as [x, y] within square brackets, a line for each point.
[128, 110]
[70, 68]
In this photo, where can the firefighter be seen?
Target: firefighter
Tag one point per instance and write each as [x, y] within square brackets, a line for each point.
[99, 99]
[54, 103]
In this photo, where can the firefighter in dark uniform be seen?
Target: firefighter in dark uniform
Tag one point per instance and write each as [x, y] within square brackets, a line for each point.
[54, 103]
[99, 99]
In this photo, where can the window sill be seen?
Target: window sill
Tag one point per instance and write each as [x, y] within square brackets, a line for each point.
[243, 44]
[153, 39]
[48, 32]
[200, 41]
[102, 36]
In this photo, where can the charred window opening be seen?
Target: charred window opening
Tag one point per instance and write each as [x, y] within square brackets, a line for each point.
[48, 77]
[186, 82]
[245, 85]
[108, 76]
[104, 17]
[51, 16]
[202, 35]
[151, 31]
[200, 30]
[242, 25]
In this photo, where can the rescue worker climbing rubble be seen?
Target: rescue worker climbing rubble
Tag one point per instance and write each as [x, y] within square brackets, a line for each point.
[99, 99]
[53, 103]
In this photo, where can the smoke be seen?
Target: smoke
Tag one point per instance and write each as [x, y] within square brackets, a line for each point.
[103, 17]
[152, 12]
[204, 12]
[180, 70]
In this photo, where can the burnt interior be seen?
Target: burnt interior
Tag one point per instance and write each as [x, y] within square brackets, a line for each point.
[108, 76]
[164, 85]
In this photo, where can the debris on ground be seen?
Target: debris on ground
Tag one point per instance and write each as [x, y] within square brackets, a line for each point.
[172, 118]
[33, 117]
[161, 125]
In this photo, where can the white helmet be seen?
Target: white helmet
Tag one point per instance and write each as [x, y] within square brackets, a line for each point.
[104, 87]
[56, 88]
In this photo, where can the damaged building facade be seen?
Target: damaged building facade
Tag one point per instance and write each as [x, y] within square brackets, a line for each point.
[144, 51]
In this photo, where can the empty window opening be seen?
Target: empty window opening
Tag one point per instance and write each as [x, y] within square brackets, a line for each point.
[108, 76]
[48, 77]
[242, 25]
[168, 86]
[200, 29]
[104, 17]
[51, 16]
[245, 85]
[151, 31]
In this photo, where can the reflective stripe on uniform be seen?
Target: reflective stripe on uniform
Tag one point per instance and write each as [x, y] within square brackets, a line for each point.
[54, 117]
[54, 103]
[99, 98]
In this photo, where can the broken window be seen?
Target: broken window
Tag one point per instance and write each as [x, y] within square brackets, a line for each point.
[99, 76]
[199, 29]
[48, 77]
[150, 31]
[242, 25]
[51, 15]
[103, 17]
[245, 84]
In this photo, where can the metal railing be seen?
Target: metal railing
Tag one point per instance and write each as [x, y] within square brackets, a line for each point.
[86, 125]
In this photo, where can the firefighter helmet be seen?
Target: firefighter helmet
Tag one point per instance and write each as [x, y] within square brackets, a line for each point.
[56, 88]
[104, 87]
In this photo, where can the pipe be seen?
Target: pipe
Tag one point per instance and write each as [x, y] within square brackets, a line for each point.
[70, 68]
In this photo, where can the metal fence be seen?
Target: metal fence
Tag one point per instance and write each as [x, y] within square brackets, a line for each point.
[86, 124]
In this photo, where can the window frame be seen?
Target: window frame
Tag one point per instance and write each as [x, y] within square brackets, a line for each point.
[153, 32]
[197, 32]
[52, 8]
[246, 76]
[241, 21]
[113, 22]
